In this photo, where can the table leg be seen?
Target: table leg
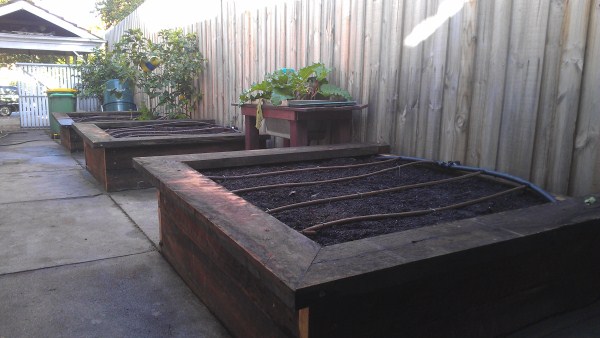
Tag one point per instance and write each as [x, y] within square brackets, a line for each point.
[298, 133]
[341, 131]
[251, 133]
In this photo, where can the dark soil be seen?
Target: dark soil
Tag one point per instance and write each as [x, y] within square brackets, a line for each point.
[435, 196]
[168, 129]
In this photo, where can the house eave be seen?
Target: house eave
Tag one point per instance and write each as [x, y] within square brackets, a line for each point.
[48, 43]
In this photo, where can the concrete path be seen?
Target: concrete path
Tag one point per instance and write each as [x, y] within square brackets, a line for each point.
[78, 262]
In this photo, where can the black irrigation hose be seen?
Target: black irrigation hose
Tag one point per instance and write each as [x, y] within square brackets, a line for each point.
[289, 171]
[335, 180]
[458, 166]
[371, 193]
[313, 229]
[17, 143]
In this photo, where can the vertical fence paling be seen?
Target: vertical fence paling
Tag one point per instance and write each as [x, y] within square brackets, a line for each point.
[502, 84]
[35, 80]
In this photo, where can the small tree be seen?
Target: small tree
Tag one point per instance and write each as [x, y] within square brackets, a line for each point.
[113, 11]
[169, 87]
[101, 66]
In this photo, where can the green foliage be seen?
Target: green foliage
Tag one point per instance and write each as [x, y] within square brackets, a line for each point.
[9, 59]
[307, 83]
[113, 11]
[101, 66]
[170, 86]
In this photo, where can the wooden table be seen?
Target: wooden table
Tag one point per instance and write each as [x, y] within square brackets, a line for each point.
[298, 117]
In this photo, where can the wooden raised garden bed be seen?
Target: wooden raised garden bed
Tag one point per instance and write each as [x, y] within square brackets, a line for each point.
[70, 139]
[482, 276]
[110, 146]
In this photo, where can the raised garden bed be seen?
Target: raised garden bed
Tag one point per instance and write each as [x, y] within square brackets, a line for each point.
[486, 275]
[70, 139]
[110, 146]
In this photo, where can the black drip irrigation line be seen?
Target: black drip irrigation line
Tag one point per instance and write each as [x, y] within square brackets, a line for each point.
[371, 193]
[313, 229]
[290, 171]
[162, 124]
[457, 166]
[335, 180]
[166, 123]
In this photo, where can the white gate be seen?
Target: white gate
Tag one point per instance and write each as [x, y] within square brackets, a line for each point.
[35, 79]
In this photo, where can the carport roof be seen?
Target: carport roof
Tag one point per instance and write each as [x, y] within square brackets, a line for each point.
[25, 27]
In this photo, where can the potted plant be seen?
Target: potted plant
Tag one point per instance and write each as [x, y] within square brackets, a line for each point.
[285, 85]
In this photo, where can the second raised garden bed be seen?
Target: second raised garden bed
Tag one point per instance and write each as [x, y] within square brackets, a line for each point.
[70, 139]
[110, 146]
[485, 275]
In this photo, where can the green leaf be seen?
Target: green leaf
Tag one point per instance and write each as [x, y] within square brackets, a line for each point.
[280, 94]
[329, 90]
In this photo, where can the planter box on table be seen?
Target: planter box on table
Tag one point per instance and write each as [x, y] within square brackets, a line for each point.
[478, 277]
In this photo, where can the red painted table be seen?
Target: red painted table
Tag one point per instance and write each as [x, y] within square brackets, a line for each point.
[298, 117]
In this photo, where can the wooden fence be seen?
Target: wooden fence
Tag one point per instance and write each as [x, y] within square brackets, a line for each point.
[506, 85]
[34, 81]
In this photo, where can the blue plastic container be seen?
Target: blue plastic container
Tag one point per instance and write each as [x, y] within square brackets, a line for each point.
[118, 96]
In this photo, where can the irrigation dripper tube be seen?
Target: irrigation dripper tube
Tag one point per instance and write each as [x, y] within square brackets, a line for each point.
[458, 166]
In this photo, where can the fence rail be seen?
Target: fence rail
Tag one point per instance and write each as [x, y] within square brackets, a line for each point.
[505, 85]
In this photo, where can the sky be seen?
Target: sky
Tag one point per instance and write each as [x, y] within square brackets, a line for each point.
[161, 16]
[74, 11]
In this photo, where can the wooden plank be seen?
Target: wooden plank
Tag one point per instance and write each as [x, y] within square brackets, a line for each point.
[523, 85]
[303, 324]
[292, 33]
[221, 73]
[238, 84]
[584, 177]
[262, 49]
[95, 162]
[410, 75]
[548, 93]
[232, 58]
[489, 77]
[341, 42]
[281, 33]
[120, 158]
[304, 34]
[570, 71]
[315, 31]
[390, 66]
[432, 88]
[328, 17]
[269, 156]
[358, 84]
[376, 79]
[453, 142]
